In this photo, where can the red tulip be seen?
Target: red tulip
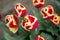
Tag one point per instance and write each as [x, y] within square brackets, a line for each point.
[38, 37]
[47, 12]
[12, 22]
[38, 3]
[55, 19]
[30, 22]
[20, 10]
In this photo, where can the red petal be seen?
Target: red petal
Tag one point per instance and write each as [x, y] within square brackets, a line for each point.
[36, 38]
[41, 0]
[21, 6]
[39, 5]
[44, 13]
[23, 23]
[35, 1]
[50, 11]
[16, 12]
[16, 6]
[7, 20]
[23, 13]
[11, 25]
[35, 25]
[27, 27]
[31, 19]
[39, 38]
[16, 20]
[19, 10]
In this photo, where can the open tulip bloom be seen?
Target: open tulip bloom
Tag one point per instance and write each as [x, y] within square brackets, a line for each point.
[12, 22]
[29, 23]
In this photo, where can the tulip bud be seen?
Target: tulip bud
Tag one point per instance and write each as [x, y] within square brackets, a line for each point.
[47, 12]
[20, 10]
[38, 37]
[55, 19]
[38, 3]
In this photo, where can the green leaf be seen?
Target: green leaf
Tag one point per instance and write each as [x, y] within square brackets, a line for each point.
[14, 37]
[32, 35]
[46, 36]
[58, 1]
[58, 38]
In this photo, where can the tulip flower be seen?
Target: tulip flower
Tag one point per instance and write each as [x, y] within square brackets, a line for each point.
[38, 3]
[20, 10]
[30, 22]
[38, 37]
[47, 12]
[12, 22]
[55, 19]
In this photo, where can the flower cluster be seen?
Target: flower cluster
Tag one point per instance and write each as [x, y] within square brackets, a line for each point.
[29, 22]
[48, 13]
